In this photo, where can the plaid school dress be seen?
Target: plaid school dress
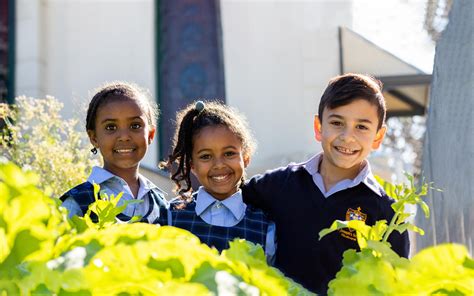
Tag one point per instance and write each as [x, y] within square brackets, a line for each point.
[253, 227]
[83, 194]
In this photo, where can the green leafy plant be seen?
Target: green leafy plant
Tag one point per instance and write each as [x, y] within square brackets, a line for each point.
[43, 254]
[403, 194]
[105, 208]
[377, 270]
[37, 138]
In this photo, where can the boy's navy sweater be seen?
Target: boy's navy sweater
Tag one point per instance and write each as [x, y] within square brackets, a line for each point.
[300, 211]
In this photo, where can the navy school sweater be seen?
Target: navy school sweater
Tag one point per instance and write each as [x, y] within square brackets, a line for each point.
[300, 211]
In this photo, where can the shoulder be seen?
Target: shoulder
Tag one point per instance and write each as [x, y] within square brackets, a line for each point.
[178, 203]
[281, 173]
[254, 210]
[385, 204]
[386, 201]
[254, 213]
[85, 188]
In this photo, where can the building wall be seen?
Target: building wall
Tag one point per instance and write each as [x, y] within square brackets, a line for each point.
[278, 58]
[68, 48]
[28, 41]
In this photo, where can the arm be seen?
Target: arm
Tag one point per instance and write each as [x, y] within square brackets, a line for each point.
[270, 244]
[261, 190]
[400, 243]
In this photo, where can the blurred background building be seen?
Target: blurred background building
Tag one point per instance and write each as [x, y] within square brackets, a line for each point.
[270, 59]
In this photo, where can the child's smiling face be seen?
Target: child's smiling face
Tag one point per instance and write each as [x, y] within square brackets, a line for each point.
[218, 161]
[122, 134]
[348, 134]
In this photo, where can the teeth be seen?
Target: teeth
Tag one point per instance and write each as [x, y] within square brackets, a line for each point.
[345, 150]
[123, 150]
[219, 178]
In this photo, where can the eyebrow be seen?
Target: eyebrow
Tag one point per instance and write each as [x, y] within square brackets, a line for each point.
[362, 120]
[226, 147]
[115, 119]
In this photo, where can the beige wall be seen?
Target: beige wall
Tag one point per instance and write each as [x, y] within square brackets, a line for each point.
[68, 48]
[278, 57]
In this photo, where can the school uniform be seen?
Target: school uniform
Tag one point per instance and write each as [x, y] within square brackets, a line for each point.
[295, 198]
[217, 222]
[152, 209]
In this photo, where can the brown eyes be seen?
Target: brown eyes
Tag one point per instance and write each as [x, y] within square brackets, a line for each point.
[113, 127]
[340, 123]
[227, 154]
[110, 127]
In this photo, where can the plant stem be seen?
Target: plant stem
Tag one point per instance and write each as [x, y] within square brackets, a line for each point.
[390, 227]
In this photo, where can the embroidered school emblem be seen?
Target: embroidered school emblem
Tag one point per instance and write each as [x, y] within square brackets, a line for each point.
[352, 214]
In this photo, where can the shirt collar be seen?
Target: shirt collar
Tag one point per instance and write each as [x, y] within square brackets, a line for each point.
[233, 203]
[365, 175]
[100, 175]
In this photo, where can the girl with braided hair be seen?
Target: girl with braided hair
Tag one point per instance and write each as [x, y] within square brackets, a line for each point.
[212, 141]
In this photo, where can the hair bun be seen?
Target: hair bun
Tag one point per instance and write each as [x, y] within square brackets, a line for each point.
[199, 106]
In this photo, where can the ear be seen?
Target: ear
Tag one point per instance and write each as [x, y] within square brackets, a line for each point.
[192, 167]
[151, 134]
[92, 138]
[317, 128]
[246, 161]
[379, 137]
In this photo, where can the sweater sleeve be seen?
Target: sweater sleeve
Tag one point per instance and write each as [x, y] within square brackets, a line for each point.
[400, 243]
[260, 190]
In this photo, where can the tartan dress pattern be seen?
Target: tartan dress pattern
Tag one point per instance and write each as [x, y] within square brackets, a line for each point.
[83, 194]
[253, 227]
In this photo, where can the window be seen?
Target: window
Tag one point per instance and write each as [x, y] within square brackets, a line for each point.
[189, 59]
[7, 50]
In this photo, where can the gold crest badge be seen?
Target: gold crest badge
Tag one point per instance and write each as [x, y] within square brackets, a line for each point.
[352, 214]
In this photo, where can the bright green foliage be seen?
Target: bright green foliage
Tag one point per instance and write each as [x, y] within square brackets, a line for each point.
[446, 268]
[37, 138]
[30, 225]
[377, 270]
[43, 254]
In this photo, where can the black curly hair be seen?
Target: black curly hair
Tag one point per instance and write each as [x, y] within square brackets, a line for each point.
[189, 121]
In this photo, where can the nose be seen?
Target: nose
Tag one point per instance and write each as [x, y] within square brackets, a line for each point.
[218, 162]
[347, 135]
[124, 134]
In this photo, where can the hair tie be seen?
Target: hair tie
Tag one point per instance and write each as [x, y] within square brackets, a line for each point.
[199, 106]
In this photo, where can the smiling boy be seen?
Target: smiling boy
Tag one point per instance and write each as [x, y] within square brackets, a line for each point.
[336, 184]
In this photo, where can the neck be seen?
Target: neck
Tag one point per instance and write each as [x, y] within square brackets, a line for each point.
[130, 176]
[332, 174]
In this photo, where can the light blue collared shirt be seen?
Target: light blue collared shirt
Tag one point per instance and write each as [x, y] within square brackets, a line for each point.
[229, 212]
[112, 184]
[365, 176]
